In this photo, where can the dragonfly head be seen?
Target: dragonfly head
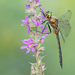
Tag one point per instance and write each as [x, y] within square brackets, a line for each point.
[48, 14]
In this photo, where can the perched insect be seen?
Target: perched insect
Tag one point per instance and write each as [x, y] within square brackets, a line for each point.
[60, 25]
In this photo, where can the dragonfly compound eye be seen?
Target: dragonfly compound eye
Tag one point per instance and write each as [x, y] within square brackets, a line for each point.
[48, 14]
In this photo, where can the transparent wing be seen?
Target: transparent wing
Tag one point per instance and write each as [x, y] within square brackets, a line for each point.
[60, 33]
[64, 23]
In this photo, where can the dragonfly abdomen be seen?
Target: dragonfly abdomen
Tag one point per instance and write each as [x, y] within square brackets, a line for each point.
[60, 53]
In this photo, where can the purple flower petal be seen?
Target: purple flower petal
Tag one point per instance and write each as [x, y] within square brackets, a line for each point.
[31, 41]
[46, 28]
[30, 15]
[27, 6]
[26, 17]
[24, 21]
[37, 1]
[27, 20]
[34, 45]
[30, 44]
[28, 31]
[28, 51]
[41, 20]
[23, 47]
[44, 36]
[42, 41]
[25, 42]
[40, 5]
[33, 49]
[43, 16]
[35, 22]
[43, 9]
[28, 27]
[38, 23]
[41, 26]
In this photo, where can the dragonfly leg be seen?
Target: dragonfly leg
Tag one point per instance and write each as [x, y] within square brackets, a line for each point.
[41, 32]
[49, 28]
[37, 30]
[43, 21]
[44, 29]
[41, 11]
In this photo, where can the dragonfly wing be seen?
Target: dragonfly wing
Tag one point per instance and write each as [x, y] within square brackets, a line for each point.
[64, 24]
[66, 16]
[60, 33]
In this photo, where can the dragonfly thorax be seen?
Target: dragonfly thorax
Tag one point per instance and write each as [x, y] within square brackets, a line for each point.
[54, 24]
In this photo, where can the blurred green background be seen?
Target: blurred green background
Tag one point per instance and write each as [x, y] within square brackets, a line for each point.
[13, 60]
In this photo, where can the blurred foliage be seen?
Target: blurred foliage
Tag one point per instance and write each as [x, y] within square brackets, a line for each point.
[13, 60]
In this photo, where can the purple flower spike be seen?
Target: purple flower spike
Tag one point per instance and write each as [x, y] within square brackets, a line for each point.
[27, 6]
[30, 44]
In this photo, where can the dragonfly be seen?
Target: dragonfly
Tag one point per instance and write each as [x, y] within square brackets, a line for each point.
[61, 26]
